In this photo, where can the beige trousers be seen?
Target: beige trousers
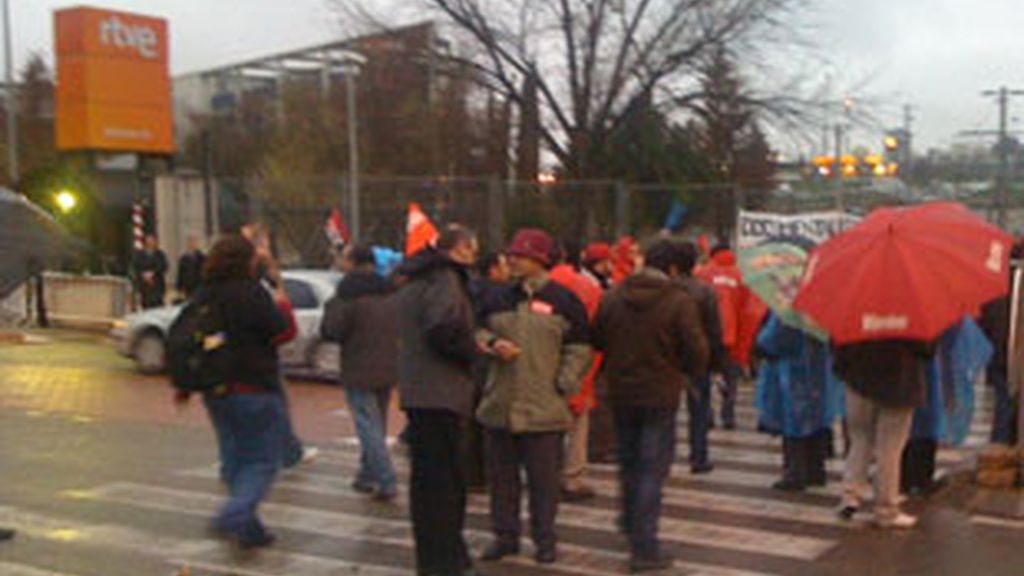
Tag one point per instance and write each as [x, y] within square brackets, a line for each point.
[575, 467]
[881, 432]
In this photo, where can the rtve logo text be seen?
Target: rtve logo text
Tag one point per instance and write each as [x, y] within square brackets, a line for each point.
[141, 38]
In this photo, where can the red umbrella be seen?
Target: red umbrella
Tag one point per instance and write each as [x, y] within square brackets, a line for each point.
[905, 273]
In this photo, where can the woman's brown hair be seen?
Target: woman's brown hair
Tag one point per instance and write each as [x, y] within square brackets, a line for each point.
[229, 259]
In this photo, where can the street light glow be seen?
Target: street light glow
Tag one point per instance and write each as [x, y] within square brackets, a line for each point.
[66, 201]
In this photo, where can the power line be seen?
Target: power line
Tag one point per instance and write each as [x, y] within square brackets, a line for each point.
[1003, 144]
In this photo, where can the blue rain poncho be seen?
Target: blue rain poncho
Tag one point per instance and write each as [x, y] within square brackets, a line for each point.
[962, 355]
[797, 394]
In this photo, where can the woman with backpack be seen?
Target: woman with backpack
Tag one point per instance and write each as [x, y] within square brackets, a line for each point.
[241, 324]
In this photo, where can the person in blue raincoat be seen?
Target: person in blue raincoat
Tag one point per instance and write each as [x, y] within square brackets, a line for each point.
[962, 355]
[798, 397]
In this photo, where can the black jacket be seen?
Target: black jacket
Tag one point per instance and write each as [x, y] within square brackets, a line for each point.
[252, 322]
[190, 272]
[436, 345]
[889, 372]
[363, 317]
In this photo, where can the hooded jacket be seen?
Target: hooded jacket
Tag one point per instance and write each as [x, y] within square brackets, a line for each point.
[650, 331]
[531, 392]
[363, 317]
[436, 346]
[590, 295]
[740, 311]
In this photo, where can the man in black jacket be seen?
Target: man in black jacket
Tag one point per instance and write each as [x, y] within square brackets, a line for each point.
[362, 317]
[698, 398]
[190, 268]
[149, 266]
[437, 352]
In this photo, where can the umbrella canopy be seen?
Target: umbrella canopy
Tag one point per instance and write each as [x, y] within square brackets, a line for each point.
[29, 238]
[773, 272]
[905, 273]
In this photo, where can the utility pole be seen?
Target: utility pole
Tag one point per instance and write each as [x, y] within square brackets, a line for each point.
[12, 100]
[908, 138]
[1003, 96]
[1003, 145]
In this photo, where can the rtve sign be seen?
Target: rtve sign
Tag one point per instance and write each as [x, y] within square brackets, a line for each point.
[113, 86]
[139, 38]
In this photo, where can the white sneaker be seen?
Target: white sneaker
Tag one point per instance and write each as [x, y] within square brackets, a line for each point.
[901, 521]
[309, 453]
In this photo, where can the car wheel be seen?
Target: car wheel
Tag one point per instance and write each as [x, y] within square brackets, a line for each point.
[150, 353]
[325, 360]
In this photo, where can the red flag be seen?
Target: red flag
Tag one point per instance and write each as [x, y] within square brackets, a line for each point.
[335, 228]
[419, 231]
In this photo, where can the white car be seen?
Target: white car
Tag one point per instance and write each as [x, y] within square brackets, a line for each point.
[142, 336]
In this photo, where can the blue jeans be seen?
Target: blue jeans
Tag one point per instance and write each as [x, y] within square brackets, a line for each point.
[698, 406]
[254, 424]
[216, 409]
[647, 447]
[369, 410]
[1003, 417]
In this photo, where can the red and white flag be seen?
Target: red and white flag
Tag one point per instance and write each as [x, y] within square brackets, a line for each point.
[335, 228]
[419, 230]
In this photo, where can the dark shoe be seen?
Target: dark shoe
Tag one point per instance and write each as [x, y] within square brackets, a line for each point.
[364, 487]
[639, 564]
[848, 512]
[545, 555]
[580, 494]
[260, 541]
[385, 496]
[702, 468]
[498, 550]
[6, 534]
[789, 485]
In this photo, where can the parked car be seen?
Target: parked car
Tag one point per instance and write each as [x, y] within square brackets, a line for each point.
[142, 336]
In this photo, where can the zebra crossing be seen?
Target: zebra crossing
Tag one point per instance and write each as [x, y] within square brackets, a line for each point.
[727, 523]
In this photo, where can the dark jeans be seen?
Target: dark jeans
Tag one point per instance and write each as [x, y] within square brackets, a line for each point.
[1003, 416]
[369, 410]
[917, 465]
[647, 447]
[698, 407]
[541, 455]
[217, 410]
[437, 492]
[248, 428]
[731, 376]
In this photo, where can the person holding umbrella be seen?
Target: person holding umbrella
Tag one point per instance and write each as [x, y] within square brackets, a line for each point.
[885, 290]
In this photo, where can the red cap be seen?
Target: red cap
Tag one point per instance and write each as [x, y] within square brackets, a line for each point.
[597, 252]
[533, 244]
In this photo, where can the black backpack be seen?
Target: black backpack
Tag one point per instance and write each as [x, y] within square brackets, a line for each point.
[199, 355]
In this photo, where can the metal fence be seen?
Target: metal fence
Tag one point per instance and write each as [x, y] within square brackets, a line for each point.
[297, 209]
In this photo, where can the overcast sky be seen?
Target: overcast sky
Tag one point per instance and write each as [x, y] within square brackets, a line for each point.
[935, 54]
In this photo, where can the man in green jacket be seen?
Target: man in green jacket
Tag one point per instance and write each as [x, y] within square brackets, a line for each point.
[537, 334]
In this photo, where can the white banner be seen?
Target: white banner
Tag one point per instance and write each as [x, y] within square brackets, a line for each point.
[808, 229]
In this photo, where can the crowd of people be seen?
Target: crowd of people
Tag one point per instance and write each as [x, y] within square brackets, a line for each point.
[528, 361]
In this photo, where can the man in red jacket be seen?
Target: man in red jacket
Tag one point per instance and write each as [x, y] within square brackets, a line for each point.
[722, 274]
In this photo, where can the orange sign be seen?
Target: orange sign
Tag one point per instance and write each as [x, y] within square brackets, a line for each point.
[113, 88]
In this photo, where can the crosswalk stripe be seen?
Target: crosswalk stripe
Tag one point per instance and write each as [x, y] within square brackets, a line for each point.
[995, 522]
[11, 569]
[378, 530]
[720, 476]
[678, 496]
[278, 563]
[112, 536]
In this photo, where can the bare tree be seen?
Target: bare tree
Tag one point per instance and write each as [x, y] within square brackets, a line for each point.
[589, 60]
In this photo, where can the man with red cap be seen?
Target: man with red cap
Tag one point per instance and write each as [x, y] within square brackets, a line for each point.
[537, 334]
[597, 264]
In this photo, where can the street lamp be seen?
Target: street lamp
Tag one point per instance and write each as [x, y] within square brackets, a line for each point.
[11, 100]
[351, 62]
[66, 200]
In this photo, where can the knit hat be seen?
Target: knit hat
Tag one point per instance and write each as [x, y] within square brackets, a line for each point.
[533, 244]
[597, 252]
